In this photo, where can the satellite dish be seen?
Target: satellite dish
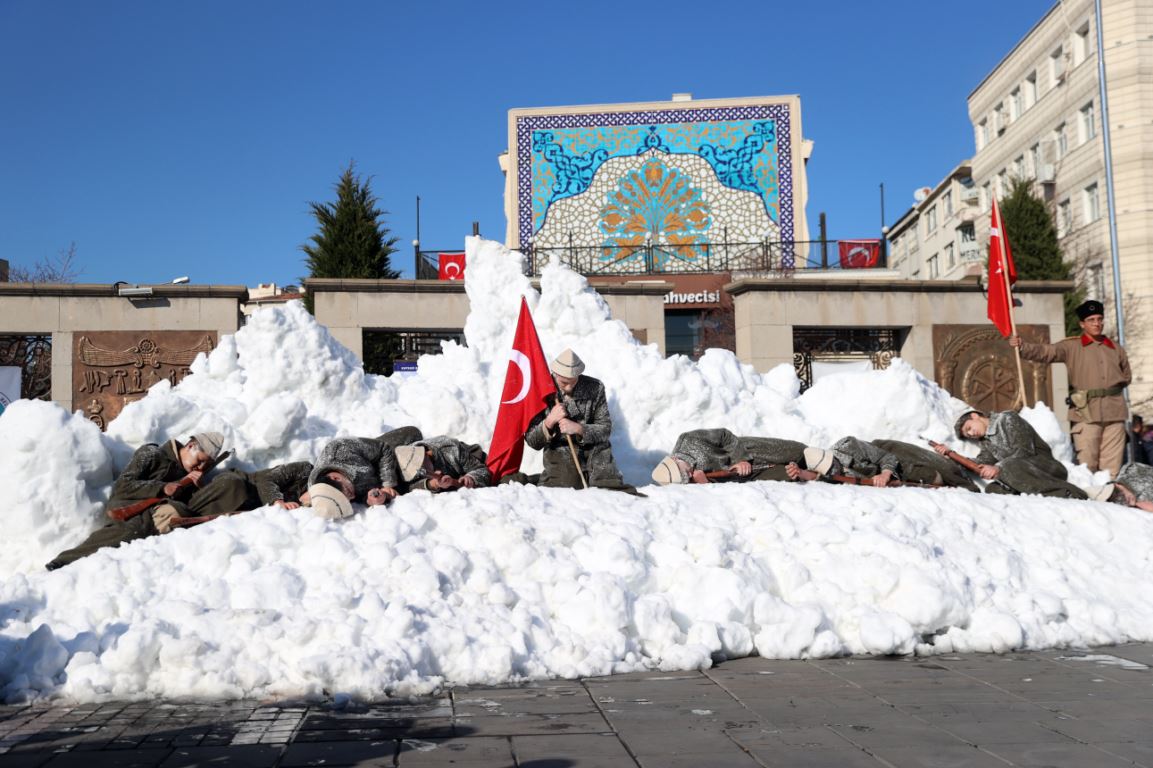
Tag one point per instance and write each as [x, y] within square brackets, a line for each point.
[921, 193]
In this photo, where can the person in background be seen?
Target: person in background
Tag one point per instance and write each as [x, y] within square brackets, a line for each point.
[1098, 374]
[1013, 455]
[1136, 444]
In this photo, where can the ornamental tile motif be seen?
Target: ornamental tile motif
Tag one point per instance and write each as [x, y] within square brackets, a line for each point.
[744, 149]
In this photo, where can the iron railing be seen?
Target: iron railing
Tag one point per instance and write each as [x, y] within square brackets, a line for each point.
[652, 258]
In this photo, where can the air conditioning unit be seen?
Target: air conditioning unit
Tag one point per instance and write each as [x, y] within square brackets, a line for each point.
[1047, 173]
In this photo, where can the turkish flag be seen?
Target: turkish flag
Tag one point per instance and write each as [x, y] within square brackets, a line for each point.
[859, 254]
[450, 266]
[1000, 266]
[527, 385]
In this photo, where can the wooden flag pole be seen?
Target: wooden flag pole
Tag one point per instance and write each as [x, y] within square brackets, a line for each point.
[1012, 319]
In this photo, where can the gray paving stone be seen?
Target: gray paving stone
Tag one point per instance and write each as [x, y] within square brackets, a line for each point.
[1140, 753]
[1007, 732]
[1057, 756]
[1112, 730]
[140, 758]
[608, 746]
[524, 725]
[472, 752]
[369, 754]
[901, 733]
[805, 737]
[700, 760]
[941, 757]
[816, 758]
[234, 757]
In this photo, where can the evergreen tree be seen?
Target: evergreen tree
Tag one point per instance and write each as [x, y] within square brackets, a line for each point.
[352, 240]
[1033, 238]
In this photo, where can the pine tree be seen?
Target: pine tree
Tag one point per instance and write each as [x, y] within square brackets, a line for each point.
[352, 240]
[1033, 238]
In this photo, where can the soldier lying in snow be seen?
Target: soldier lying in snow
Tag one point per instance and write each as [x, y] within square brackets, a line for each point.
[363, 468]
[702, 451]
[442, 464]
[887, 462]
[1133, 487]
[1013, 455]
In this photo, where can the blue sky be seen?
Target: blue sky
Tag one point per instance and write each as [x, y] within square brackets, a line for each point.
[168, 139]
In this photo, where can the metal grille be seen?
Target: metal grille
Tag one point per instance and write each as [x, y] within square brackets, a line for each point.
[877, 345]
[32, 354]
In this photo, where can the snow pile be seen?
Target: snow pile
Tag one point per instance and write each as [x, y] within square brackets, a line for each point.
[491, 585]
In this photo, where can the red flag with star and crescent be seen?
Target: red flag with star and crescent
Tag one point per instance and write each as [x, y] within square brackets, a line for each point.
[1000, 265]
[527, 385]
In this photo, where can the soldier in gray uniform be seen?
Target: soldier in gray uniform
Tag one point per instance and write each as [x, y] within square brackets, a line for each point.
[583, 415]
[1133, 487]
[442, 464]
[285, 485]
[711, 450]
[1014, 455]
[904, 461]
[366, 464]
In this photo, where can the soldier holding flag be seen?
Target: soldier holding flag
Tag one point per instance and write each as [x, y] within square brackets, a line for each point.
[1098, 373]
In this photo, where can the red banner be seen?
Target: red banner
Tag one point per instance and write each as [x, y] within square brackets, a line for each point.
[859, 254]
[1002, 274]
[450, 266]
[527, 385]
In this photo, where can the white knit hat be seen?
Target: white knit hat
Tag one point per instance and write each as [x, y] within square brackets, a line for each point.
[567, 364]
[819, 460]
[410, 459]
[1101, 492]
[328, 502]
[210, 443]
[669, 471]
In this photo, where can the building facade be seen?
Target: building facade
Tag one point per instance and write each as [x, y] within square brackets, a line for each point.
[1037, 116]
[936, 238]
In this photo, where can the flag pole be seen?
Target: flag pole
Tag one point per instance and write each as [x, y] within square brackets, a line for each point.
[1012, 318]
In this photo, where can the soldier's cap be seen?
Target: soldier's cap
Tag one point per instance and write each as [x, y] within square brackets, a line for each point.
[210, 442]
[328, 502]
[819, 460]
[567, 364]
[960, 422]
[669, 471]
[1090, 308]
[1101, 492]
[410, 459]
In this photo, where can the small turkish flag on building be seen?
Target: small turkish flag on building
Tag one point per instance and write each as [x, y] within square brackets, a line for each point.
[450, 266]
[1002, 274]
[859, 254]
[527, 386]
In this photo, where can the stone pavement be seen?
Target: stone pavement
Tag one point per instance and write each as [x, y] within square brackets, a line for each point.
[1057, 708]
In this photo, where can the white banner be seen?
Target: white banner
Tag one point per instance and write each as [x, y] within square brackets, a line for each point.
[9, 385]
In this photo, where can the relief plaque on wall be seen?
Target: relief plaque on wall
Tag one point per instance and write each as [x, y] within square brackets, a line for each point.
[113, 368]
[976, 364]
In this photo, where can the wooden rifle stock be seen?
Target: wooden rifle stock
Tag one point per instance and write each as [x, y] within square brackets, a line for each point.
[188, 522]
[964, 461]
[728, 474]
[810, 475]
[132, 510]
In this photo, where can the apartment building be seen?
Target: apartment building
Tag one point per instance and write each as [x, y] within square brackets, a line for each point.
[1037, 116]
[936, 238]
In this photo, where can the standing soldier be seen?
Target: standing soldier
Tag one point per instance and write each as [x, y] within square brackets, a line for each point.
[1098, 373]
[581, 414]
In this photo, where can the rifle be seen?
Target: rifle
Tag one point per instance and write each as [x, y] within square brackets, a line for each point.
[810, 475]
[728, 474]
[964, 461]
[188, 522]
[132, 510]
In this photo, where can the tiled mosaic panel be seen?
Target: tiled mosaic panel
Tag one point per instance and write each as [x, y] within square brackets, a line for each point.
[676, 199]
[744, 152]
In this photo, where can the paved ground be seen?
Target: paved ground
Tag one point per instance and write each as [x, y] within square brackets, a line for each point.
[1084, 709]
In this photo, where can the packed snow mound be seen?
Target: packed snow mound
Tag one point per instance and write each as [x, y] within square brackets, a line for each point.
[492, 585]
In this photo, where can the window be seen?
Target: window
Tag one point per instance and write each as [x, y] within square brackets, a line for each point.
[1057, 66]
[982, 134]
[985, 197]
[1015, 105]
[1088, 130]
[1081, 45]
[950, 258]
[1095, 279]
[1064, 218]
[1031, 89]
[999, 119]
[1060, 140]
[1035, 159]
[1019, 167]
[931, 220]
[1001, 187]
[1092, 203]
[947, 203]
[934, 269]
